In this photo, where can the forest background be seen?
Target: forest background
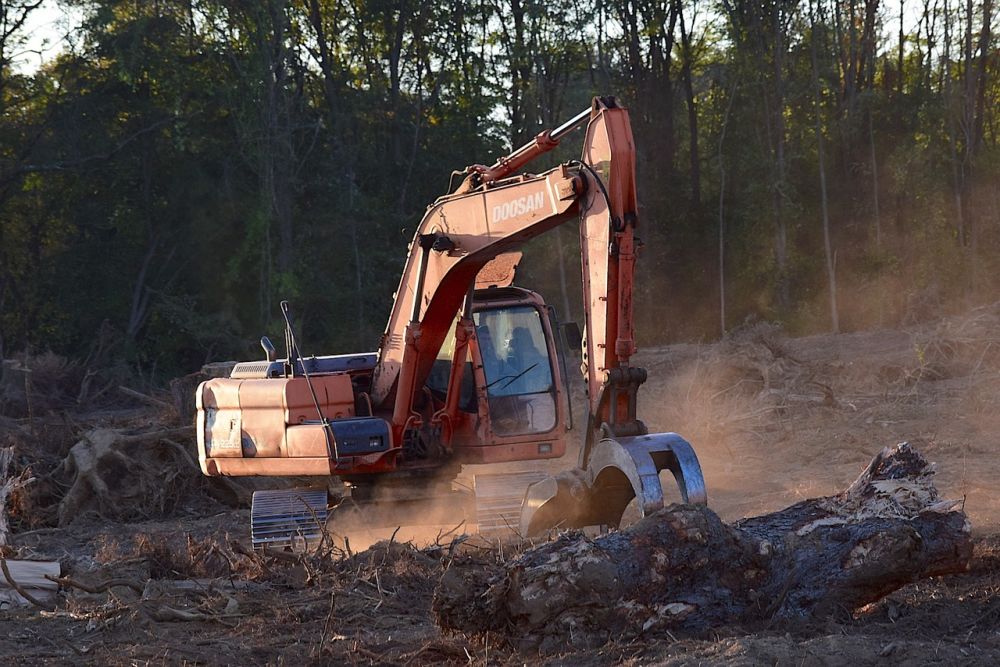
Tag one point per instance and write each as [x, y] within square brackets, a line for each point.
[180, 166]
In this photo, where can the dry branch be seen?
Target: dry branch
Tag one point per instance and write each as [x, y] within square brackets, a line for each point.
[102, 587]
[684, 570]
[145, 398]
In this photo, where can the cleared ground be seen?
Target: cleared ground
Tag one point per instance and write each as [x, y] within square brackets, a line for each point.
[774, 420]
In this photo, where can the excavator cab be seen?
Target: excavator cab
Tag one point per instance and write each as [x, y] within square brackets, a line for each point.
[519, 376]
[514, 397]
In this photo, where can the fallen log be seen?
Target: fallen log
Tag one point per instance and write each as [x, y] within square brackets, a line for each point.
[683, 570]
[145, 398]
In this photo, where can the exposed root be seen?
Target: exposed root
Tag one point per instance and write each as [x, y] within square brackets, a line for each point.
[114, 473]
[8, 485]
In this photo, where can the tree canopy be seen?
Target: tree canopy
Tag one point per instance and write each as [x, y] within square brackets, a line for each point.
[184, 165]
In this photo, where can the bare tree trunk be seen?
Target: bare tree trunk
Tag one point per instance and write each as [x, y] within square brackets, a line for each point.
[900, 53]
[692, 109]
[520, 70]
[878, 218]
[360, 295]
[984, 49]
[279, 142]
[140, 292]
[722, 217]
[956, 167]
[831, 273]
[330, 79]
[415, 144]
[875, 192]
[394, 24]
[781, 244]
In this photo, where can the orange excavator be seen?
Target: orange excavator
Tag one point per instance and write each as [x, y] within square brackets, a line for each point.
[470, 370]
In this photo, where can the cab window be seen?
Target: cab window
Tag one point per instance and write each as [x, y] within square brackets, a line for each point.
[517, 369]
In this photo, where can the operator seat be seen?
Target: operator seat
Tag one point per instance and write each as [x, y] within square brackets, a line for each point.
[524, 357]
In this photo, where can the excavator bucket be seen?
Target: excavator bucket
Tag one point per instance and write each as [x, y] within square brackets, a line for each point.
[619, 470]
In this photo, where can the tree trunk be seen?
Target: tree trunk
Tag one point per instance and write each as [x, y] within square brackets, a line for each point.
[831, 272]
[985, 39]
[957, 168]
[780, 185]
[875, 192]
[692, 109]
[722, 216]
[279, 145]
[900, 49]
[682, 570]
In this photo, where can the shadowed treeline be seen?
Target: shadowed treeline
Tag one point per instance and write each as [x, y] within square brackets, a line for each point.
[183, 165]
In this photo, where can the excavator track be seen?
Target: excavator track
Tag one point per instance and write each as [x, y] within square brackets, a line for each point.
[499, 497]
[288, 518]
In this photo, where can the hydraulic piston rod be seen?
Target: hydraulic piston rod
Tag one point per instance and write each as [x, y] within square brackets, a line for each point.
[508, 164]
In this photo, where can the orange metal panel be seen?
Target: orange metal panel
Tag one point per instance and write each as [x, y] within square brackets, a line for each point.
[247, 418]
[334, 392]
[270, 467]
[512, 451]
[220, 426]
[261, 403]
[608, 245]
[306, 440]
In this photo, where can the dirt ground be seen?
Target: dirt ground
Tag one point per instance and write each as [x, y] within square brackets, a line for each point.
[774, 421]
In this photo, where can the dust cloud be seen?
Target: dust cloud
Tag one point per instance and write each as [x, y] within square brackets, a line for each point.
[775, 420]
[421, 517]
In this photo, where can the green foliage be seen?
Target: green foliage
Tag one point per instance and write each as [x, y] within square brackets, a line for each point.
[184, 166]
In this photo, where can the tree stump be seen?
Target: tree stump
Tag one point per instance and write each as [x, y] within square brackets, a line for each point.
[182, 391]
[131, 476]
[683, 570]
